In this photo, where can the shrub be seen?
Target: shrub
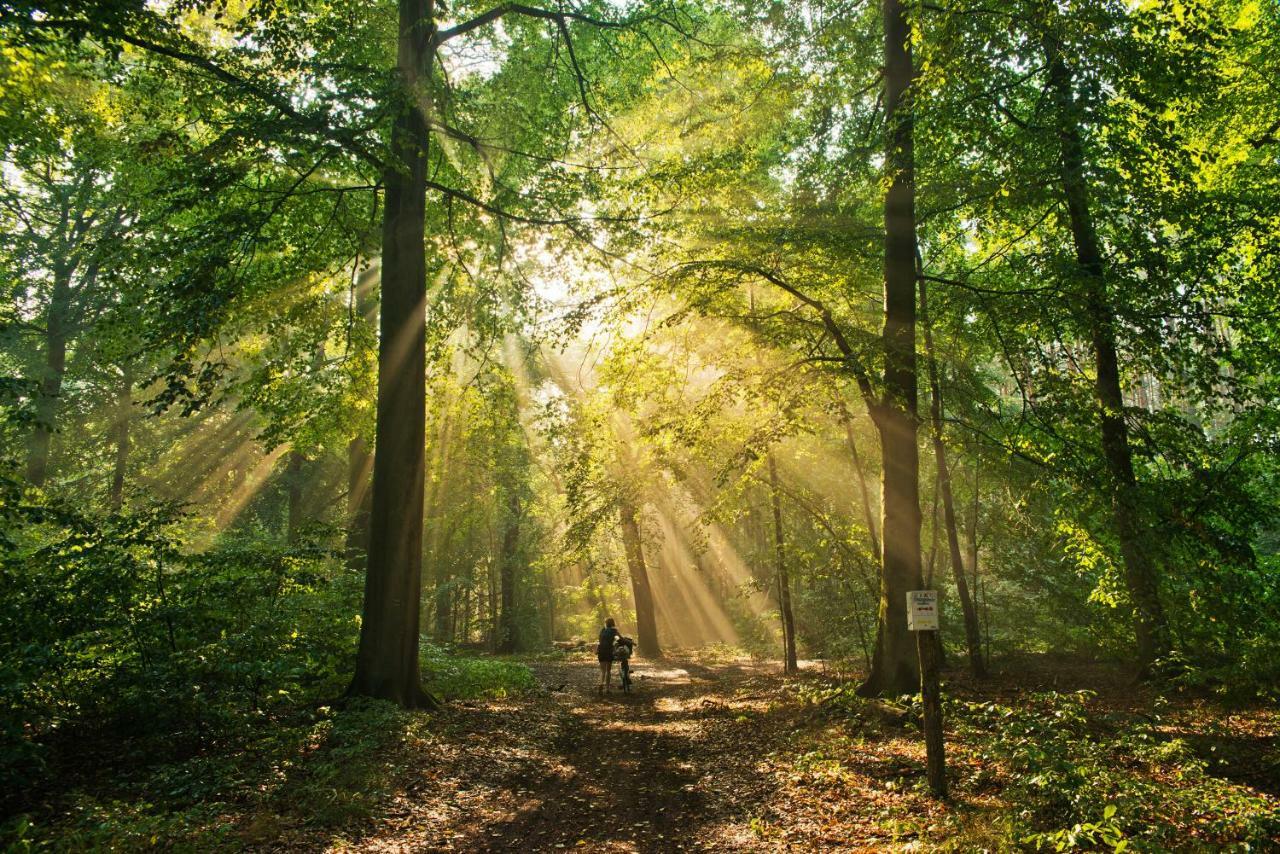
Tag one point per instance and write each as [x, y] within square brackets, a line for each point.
[455, 677]
[1077, 779]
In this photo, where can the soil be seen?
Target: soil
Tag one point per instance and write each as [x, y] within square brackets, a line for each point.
[674, 765]
[719, 756]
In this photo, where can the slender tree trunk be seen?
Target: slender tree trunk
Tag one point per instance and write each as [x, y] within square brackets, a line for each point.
[894, 668]
[56, 335]
[293, 476]
[507, 576]
[1150, 626]
[868, 511]
[387, 664]
[780, 569]
[972, 631]
[931, 563]
[124, 417]
[444, 604]
[973, 529]
[359, 502]
[364, 306]
[646, 614]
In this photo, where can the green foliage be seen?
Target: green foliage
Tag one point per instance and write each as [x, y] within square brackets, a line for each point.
[112, 626]
[461, 677]
[1076, 778]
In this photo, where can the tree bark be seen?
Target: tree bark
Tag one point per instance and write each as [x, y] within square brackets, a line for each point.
[364, 305]
[972, 631]
[387, 664]
[57, 332]
[1150, 626]
[646, 614]
[506, 640]
[868, 512]
[293, 476]
[894, 668]
[124, 416]
[359, 502]
[780, 569]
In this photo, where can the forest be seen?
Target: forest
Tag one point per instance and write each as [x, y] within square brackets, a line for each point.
[360, 360]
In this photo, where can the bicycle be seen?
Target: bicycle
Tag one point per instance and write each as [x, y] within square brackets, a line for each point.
[622, 655]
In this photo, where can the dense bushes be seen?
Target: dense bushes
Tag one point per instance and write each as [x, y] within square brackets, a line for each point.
[210, 674]
[110, 625]
[1076, 778]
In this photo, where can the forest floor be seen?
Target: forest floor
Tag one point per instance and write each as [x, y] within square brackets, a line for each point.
[686, 761]
[706, 754]
[731, 756]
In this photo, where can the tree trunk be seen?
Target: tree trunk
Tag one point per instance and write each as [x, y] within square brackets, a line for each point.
[506, 640]
[1150, 626]
[364, 306]
[124, 416]
[387, 664]
[868, 512]
[780, 569]
[50, 386]
[444, 604]
[894, 668]
[359, 502]
[293, 476]
[646, 615]
[972, 632]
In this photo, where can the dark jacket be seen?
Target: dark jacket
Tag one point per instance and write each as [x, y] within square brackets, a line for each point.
[604, 649]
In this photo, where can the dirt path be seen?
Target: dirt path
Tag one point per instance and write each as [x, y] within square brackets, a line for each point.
[660, 769]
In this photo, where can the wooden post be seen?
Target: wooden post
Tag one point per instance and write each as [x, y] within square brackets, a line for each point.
[922, 619]
[931, 694]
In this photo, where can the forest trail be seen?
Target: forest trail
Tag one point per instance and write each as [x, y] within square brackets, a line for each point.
[665, 768]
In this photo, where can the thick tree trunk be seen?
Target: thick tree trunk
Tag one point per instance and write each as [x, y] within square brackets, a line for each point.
[387, 664]
[359, 502]
[780, 569]
[1150, 626]
[506, 640]
[894, 668]
[124, 417]
[646, 615]
[56, 335]
[972, 631]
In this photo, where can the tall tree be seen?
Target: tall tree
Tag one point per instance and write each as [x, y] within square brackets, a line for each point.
[641, 590]
[972, 631]
[894, 668]
[1151, 626]
[790, 664]
[387, 661]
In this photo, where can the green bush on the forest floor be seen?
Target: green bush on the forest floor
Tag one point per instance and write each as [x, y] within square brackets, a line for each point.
[458, 677]
[1069, 776]
[328, 767]
[1074, 778]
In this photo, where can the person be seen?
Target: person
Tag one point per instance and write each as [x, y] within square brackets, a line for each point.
[604, 652]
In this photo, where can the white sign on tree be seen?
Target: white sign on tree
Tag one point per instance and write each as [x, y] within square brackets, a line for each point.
[922, 610]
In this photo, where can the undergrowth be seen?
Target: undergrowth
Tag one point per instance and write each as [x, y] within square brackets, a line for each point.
[1068, 776]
